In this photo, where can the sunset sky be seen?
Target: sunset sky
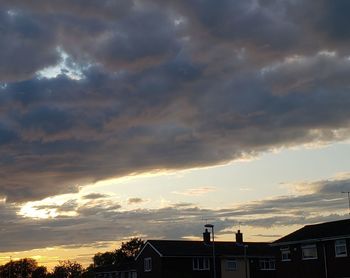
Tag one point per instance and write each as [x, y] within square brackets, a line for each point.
[123, 118]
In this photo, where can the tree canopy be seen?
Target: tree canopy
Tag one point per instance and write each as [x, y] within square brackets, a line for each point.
[68, 269]
[126, 252]
[24, 268]
[29, 268]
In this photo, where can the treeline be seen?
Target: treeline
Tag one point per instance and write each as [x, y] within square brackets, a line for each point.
[29, 268]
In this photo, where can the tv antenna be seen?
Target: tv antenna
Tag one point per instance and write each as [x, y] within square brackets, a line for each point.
[347, 192]
[207, 218]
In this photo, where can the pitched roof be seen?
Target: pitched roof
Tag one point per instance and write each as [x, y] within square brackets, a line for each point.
[320, 231]
[183, 248]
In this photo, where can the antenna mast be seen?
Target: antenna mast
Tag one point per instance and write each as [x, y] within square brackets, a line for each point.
[347, 192]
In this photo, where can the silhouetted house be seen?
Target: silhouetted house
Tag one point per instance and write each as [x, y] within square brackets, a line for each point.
[179, 258]
[320, 250]
[123, 270]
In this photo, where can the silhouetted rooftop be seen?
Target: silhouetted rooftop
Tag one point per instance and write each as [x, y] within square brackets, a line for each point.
[169, 248]
[333, 229]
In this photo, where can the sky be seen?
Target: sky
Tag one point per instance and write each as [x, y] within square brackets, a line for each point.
[149, 118]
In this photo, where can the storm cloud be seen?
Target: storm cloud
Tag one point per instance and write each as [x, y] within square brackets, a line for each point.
[163, 85]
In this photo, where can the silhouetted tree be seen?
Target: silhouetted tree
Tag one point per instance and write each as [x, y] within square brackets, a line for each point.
[126, 252]
[40, 272]
[106, 258]
[22, 268]
[89, 272]
[131, 248]
[67, 269]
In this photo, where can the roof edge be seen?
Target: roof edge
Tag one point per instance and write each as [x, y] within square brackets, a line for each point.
[148, 243]
[309, 240]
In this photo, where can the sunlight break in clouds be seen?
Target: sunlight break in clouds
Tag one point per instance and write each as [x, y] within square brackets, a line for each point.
[65, 67]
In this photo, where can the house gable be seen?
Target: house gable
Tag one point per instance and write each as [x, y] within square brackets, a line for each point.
[148, 244]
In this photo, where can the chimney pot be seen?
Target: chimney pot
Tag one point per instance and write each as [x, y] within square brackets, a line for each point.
[239, 237]
[206, 237]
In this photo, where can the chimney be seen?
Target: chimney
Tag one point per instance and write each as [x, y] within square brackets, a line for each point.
[206, 237]
[239, 237]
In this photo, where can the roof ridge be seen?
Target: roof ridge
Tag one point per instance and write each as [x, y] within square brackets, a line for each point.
[323, 230]
[327, 223]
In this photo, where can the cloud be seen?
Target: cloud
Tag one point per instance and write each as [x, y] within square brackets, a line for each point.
[336, 18]
[70, 205]
[100, 220]
[163, 85]
[196, 191]
[27, 45]
[132, 201]
[88, 8]
[93, 196]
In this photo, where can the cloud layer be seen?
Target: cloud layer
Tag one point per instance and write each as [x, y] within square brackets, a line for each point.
[163, 85]
[91, 221]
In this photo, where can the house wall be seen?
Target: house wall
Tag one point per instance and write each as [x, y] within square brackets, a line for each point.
[337, 266]
[256, 272]
[297, 267]
[170, 267]
[238, 273]
[156, 271]
[253, 269]
[117, 274]
[183, 267]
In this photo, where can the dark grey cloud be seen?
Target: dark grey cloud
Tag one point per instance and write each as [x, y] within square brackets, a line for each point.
[104, 209]
[163, 85]
[337, 18]
[82, 8]
[7, 134]
[259, 23]
[27, 45]
[46, 119]
[132, 42]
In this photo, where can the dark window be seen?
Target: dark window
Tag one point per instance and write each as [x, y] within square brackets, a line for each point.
[200, 264]
[340, 248]
[231, 265]
[285, 254]
[267, 264]
[147, 264]
[309, 252]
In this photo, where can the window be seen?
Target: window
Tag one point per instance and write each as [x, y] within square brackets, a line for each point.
[231, 265]
[309, 252]
[285, 254]
[147, 264]
[340, 248]
[267, 264]
[201, 264]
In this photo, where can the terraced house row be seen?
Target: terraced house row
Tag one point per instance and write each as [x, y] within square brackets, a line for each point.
[319, 250]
